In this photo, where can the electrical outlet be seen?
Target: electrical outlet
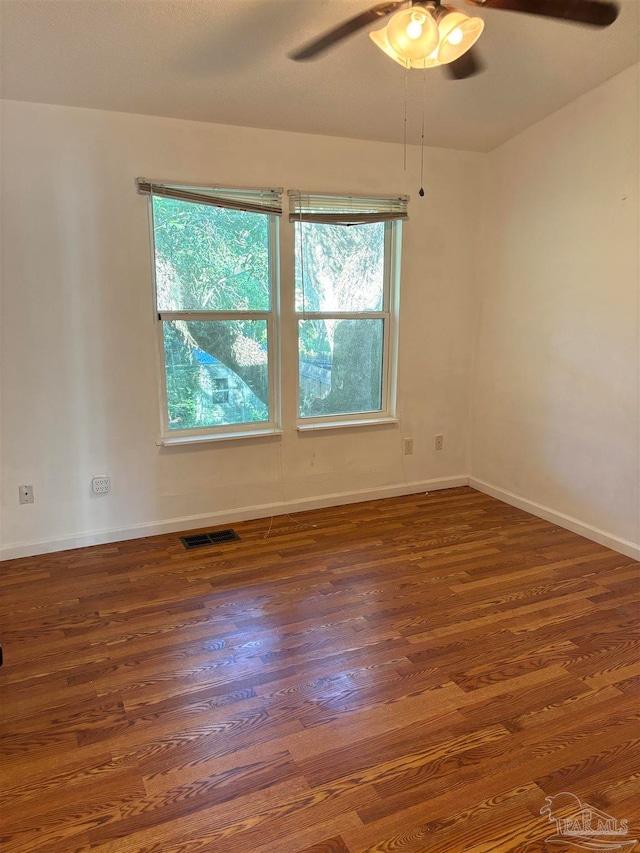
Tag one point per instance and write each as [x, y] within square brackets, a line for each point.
[25, 494]
[439, 443]
[407, 444]
[101, 484]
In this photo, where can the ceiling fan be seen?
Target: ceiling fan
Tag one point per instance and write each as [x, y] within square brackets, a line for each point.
[426, 33]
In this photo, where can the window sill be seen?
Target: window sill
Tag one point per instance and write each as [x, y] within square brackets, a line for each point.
[313, 426]
[219, 436]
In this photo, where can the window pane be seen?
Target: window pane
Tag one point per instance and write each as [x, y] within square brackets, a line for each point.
[340, 366]
[217, 372]
[342, 267]
[209, 258]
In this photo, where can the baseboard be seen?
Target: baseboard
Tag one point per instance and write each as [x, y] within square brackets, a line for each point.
[231, 516]
[174, 525]
[629, 549]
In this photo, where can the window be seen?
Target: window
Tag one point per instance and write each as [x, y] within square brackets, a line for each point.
[221, 390]
[216, 267]
[215, 253]
[347, 264]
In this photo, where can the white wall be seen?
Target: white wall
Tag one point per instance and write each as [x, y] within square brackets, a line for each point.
[543, 297]
[79, 389]
[555, 398]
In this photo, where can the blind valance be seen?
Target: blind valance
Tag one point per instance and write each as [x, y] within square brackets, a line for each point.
[250, 200]
[345, 210]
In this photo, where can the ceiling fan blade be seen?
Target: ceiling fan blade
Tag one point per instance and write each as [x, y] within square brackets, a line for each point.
[467, 65]
[597, 13]
[346, 29]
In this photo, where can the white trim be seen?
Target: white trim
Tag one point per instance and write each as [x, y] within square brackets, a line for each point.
[195, 438]
[198, 316]
[392, 326]
[173, 525]
[623, 546]
[342, 315]
[311, 425]
[390, 316]
[274, 340]
[191, 522]
[271, 317]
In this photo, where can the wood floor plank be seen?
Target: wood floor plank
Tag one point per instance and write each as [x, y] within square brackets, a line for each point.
[415, 674]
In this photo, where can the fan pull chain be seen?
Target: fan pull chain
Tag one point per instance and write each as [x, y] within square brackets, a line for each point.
[424, 101]
[406, 89]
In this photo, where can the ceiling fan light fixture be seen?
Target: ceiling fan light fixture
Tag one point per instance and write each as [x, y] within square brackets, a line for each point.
[413, 33]
[380, 38]
[458, 33]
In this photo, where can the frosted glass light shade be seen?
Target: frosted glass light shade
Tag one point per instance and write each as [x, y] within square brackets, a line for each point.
[380, 38]
[413, 33]
[458, 33]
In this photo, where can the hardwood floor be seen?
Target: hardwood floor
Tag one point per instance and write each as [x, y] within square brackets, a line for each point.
[412, 674]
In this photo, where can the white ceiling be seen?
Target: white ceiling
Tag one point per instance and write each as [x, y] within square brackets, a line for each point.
[226, 61]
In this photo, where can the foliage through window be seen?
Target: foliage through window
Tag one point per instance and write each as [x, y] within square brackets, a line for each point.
[214, 272]
[344, 304]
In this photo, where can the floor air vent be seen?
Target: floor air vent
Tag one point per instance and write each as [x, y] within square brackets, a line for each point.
[197, 540]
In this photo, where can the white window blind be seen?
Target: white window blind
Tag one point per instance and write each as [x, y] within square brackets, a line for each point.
[250, 200]
[345, 210]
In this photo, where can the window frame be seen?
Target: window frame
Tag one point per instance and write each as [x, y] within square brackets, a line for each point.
[387, 414]
[272, 426]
